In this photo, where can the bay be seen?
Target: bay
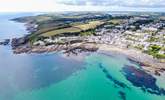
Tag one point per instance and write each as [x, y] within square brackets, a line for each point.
[53, 76]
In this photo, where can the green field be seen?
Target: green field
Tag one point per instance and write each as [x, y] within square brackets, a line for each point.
[73, 29]
[90, 25]
[60, 31]
[116, 21]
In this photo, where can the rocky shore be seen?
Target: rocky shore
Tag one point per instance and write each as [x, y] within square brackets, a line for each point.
[5, 42]
[19, 42]
[73, 48]
[148, 63]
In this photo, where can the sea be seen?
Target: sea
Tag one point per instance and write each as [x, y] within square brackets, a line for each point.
[100, 75]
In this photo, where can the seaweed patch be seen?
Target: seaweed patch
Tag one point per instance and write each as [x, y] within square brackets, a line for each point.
[109, 76]
[122, 95]
[140, 78]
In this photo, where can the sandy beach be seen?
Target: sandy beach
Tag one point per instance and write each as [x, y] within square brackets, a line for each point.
[151, 64]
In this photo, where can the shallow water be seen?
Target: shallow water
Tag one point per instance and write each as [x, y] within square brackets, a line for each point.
[99, 76]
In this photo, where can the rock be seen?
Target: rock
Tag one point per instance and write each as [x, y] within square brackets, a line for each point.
[5, 42]
[20, 50]
[83, 47]
[19, 41]
[157, 73]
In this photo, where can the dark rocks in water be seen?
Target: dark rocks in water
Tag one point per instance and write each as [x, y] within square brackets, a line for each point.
[20, 50]
[5, 42]
[140, 78]
[84, 48]
[76, 41]
[159, 71]
[122, 95]
[19, 41]
[116, 82]
[31, 27]
[136, 62]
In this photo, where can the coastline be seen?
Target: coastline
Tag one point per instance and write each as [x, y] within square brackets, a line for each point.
[148, 63]
[72, 48]
[70, 67]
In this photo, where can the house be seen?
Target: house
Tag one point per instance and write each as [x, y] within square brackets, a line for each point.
[41, 43]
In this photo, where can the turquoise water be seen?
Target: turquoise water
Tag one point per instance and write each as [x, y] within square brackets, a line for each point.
[91, 83]
[98, 76]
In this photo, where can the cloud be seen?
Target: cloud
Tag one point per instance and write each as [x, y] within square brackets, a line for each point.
[27, 5]
[124, 3]
[80, 5]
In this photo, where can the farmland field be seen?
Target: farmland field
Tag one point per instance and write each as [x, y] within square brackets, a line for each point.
[60, 31]
[73, 29]
[116, 21]
[90, 25]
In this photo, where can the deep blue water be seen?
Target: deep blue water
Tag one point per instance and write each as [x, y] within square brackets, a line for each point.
[10, 29]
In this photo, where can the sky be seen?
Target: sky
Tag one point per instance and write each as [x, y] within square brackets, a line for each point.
[81, 5]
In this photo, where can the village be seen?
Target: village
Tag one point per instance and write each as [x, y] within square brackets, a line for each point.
[136, 32]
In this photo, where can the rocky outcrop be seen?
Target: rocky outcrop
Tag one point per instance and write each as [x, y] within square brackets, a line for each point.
[16, 42]
[84, 47]
[5, 42]
[56, 47]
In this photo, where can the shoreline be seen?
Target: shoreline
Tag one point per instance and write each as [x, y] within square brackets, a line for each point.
[150, 64]
[147, 62]
[73, 48]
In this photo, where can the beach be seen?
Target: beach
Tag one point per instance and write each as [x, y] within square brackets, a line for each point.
[150, 64]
